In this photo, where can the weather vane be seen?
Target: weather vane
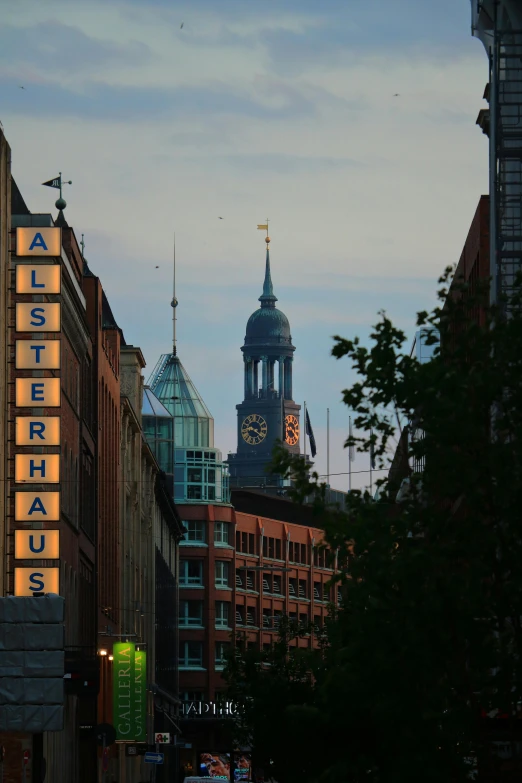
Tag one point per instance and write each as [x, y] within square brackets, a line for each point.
[57, 183]
[264, 227]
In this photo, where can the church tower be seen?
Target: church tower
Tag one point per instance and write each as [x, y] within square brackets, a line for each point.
[268, 412]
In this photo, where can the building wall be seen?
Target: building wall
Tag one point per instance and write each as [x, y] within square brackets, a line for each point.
[68, 754]
[106, 403]
[254, 598]
[138, 470]
[473, 265]
[100, 472]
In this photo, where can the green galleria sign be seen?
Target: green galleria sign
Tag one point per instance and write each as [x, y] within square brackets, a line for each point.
[129, 692]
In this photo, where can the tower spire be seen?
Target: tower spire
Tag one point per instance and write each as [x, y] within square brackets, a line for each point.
[267, 298]
[174, 302]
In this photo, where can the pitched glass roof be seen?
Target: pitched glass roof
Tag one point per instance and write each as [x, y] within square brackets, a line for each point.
[173, 388]
[152, 406]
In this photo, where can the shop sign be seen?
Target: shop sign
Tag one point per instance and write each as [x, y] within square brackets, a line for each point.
[122, 689]
[34, 432]
[140, 696]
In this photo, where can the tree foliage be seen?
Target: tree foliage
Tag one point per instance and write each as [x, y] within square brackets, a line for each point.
[429, 636]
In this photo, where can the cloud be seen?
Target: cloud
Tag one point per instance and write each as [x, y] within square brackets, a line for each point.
[95, 100]
[283, 110]
[56, 49]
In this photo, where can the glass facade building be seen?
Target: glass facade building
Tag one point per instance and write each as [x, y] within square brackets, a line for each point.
[180, 430]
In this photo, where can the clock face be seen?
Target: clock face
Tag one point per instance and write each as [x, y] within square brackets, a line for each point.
[253, 429]
[291, 430]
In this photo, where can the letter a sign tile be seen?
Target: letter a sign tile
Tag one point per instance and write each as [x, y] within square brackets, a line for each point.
[32, 241]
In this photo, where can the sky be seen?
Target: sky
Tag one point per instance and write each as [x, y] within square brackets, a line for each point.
[168, 115]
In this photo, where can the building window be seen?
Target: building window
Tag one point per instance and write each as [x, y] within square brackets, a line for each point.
[222, 614]
[302, 588]
[222, 649]
[196, 532]
[222, 573]
[194, 492]
[317, 591]
[189, 696]
[240, 615]
[195, 475]
[190, 613]
[191, 654]
[251, 615]
[221, 531]
[191, 572]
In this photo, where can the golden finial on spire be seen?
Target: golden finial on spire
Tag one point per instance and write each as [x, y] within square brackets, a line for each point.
[264, 227]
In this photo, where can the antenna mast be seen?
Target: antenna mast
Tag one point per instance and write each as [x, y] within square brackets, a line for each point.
[174, 302]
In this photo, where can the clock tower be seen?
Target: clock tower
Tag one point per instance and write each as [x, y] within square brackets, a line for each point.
[268, 412]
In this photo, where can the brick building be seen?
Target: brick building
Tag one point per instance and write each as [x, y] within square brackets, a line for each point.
[105, 410]
[241, 569]
[68, 754]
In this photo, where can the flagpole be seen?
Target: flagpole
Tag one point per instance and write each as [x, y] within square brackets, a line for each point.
[371, 462]
[328, 446]
[304, 429]
[282, 416]
[349, 455]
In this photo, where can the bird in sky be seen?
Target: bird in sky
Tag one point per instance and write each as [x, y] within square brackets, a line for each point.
[20, 87]
[396, 94]
[220, 218]
[181, 27]
[157, 267]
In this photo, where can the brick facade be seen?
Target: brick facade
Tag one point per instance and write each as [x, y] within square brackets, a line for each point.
[236, 598]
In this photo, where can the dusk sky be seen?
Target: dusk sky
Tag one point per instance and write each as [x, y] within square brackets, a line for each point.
[285, 110]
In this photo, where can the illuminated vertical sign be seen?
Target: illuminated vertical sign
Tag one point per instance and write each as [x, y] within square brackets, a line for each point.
[139, 696]
[37, 279]
[122, 689]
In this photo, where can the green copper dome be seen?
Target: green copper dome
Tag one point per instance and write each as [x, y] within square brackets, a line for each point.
[268, 323]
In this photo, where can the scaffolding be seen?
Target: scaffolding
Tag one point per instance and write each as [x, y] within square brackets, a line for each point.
[506, 160]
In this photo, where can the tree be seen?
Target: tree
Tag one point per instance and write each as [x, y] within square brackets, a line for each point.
[429, 635]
